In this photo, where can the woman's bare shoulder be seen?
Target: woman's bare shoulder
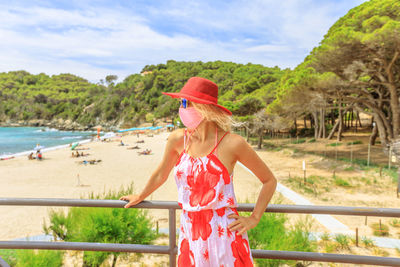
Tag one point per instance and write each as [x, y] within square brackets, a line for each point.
[176, 136]
[235, 139]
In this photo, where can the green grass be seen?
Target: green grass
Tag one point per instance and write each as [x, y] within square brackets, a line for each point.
[349, 169]
[272, 147]
[334, 144]
[33, 258]
[312, 140]
[358, 142]
[299, 141]
[341, 182]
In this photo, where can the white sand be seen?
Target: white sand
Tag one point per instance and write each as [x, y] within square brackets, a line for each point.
[56, 177]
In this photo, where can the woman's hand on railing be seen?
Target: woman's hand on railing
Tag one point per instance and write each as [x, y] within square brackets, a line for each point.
[242, 223]
[132, 200]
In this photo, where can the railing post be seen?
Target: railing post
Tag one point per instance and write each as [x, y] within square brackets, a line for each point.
[172, 237]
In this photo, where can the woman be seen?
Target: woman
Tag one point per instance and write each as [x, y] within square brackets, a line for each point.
[204, 156]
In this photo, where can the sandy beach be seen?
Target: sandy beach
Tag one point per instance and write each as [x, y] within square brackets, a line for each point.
[57, 177]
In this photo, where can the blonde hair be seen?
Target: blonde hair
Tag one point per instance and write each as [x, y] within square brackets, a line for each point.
[214, 114]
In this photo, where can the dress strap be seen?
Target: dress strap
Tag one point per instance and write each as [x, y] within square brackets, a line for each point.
[215, 148]
[184, 140]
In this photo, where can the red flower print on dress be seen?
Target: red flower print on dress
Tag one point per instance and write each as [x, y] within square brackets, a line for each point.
[228, 232]
[220, 212]
[202, 190]
[220, 231]
[241, 252]
[231, 201]
[201, 224]
[186, 257]
[205, 255]
[216, 167]
[179, 174]
[220, 196]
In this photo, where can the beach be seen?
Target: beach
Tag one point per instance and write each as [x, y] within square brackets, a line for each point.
[57, 177]
[61, 176]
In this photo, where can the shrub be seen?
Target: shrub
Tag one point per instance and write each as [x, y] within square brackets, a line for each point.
[41, 258]
[271, 234]
[395, 223]
[103, 225]
[380, 229]
[343, 241]
[368, 242]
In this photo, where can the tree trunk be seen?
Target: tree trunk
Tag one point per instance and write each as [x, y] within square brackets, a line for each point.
[316, 128]
[359, 119]
[295, 125]
[394, 97]
[305, 122]
[333, 130]
[373, 136]
[323, 124]
[247, 134]
[114, 262]
[381, 129]
[260, 138]
[339, 134]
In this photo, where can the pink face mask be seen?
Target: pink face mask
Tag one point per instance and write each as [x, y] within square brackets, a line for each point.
[190, 117]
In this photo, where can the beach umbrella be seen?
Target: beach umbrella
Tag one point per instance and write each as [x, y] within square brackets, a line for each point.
[74, 145]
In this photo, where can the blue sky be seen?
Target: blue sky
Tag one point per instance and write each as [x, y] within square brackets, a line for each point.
[95, 38]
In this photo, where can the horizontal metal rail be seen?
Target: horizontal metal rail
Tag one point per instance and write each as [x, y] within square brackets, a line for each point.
[267, 254]
[304, 209]
[172, 249]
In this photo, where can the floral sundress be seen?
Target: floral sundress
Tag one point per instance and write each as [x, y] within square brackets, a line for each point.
[206, 196]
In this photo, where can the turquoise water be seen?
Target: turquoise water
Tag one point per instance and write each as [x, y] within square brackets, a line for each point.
[19, 139]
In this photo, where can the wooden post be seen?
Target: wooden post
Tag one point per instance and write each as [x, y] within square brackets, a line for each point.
[366, 220]
[390, 156]
[336, 151]
[369, 154]
[351, 152]
[357, 236]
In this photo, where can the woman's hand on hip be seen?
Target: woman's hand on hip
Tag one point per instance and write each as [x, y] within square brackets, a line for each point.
[132, 200]
[242, 224]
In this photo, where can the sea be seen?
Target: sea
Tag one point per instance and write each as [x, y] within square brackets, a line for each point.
[16, 141]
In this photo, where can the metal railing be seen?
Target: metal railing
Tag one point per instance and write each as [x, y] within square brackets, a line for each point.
[171, 249]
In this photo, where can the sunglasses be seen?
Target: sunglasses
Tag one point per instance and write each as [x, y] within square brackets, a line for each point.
[184, 102]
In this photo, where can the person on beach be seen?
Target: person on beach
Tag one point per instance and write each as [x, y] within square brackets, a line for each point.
[203, 155]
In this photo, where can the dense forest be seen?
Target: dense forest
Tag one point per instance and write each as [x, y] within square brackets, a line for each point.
[244, 89]
[355, 68]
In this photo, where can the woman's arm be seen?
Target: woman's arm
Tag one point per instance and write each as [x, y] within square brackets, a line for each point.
[249, 158]
[160, 174]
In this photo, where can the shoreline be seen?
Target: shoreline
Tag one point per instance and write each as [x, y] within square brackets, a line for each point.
[11, 155]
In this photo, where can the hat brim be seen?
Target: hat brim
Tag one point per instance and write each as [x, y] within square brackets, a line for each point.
[197, 100]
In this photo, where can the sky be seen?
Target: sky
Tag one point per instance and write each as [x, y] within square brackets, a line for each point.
[93, 39]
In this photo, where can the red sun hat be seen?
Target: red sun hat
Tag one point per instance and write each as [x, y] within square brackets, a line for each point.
[200, 90]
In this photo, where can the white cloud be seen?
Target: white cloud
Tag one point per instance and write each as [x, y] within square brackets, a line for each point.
[94, 41]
